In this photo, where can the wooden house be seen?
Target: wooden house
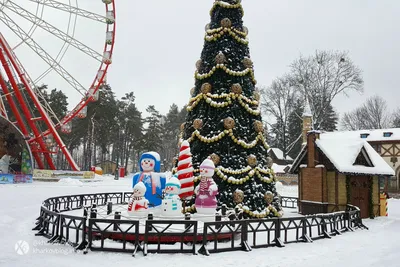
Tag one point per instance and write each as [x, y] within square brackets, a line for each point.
[334, 172]
[386, 143]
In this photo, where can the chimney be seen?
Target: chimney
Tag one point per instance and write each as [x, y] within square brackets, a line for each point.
[311, 137]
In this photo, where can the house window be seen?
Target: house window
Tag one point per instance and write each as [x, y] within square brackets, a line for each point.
[364, 135]
[387, 134]
[377, 148]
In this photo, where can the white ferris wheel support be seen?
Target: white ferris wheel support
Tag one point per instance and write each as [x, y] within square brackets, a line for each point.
[9, 8]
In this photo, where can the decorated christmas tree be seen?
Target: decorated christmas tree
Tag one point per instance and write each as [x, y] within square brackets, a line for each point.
[224, 120]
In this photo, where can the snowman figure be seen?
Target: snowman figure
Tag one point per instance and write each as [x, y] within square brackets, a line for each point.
[138, 204]
[171, 204]
[152, 178]
[206, 190]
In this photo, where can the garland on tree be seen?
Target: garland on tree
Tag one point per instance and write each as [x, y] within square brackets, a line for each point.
[224, 119]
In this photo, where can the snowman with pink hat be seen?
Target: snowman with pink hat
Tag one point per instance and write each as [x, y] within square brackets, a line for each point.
[207, 190]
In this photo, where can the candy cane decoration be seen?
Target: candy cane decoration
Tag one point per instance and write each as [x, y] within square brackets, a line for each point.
[185, 171]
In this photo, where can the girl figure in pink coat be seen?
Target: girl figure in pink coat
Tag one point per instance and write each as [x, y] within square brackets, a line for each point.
[206, 190]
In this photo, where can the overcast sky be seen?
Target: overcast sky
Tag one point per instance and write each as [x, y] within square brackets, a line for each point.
[158, 43]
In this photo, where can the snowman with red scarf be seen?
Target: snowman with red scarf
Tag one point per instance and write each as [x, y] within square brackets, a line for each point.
[138, 204]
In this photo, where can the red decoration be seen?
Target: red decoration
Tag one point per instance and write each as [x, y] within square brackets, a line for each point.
[185, 171]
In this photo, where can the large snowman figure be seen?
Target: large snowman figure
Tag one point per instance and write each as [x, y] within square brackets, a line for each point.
[206, 190]
[154, 181]
[171, 204]
[138, 205]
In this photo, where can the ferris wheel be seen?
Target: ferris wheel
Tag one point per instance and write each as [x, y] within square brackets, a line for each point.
[67, 44]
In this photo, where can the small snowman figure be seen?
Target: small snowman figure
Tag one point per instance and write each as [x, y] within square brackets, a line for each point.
[171, 204]
[138, 205]
[206, 190]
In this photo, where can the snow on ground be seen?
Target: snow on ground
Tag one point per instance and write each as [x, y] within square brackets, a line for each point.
[21, 203]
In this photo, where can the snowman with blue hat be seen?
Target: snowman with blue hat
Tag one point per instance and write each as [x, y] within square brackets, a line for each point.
[171, 204]
[151, 177]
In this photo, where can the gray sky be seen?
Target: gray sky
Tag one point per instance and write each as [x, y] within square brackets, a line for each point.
[158, 43]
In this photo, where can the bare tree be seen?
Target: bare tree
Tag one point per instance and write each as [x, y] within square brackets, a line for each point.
[373, 114]
[278, 102]
[324, 76]
[396, 118]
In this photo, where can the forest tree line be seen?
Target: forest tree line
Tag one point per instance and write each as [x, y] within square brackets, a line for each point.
[114, 129]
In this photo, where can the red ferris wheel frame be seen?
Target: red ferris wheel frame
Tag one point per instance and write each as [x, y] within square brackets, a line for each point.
[37, 143]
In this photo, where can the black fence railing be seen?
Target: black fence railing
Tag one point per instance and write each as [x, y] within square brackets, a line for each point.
[88, 232]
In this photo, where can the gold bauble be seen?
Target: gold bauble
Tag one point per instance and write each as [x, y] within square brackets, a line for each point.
[192, 91]
[215, 158]
[220, 58]
[207, 27]
[236, 88]
[245, 30]
[229, 123]
[256, 95]
[206, 88]
[258, 126]
[226, 23]
[247, 62]
[182, 127]
[238, 196]
[197, 124]
[198, 64]
[270, 162]
[268, 197]
[252, 160]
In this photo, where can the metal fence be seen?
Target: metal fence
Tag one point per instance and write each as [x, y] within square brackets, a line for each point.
[87, 232]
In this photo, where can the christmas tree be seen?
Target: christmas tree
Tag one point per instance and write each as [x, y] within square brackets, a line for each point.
[224, 120]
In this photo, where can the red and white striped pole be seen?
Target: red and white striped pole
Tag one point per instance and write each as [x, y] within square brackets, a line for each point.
[185, 171]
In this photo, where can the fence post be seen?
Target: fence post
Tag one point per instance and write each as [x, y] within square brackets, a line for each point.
[305, 236]
[84, 243]
[203, 249]
[150, 217]
[117, 216]
[278, 240]
[324, 228]
[187, 218]
[109, 208]
[218, 218]
[93, 213]
[244, 234]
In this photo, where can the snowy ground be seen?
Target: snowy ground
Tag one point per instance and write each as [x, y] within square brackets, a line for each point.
[20, 206]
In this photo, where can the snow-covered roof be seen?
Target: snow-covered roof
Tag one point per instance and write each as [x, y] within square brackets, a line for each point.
[279, 154]
[369, 135]
[279, 168]
[343, 153]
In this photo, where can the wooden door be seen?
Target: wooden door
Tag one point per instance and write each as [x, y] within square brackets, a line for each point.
[359, 194]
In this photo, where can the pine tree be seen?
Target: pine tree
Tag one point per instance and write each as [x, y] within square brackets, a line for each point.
[328, 120]
[152, 138]
[224, 120]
